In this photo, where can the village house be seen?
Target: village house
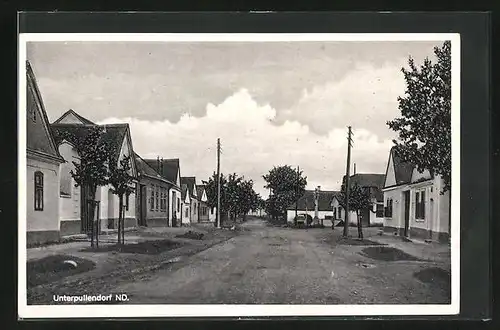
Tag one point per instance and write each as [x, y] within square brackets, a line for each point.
[372, 216]
[153, 203]
[74, 200]
[414, 205]
[43, 162]
[169, 169]
[306, 205]
[190, 182]
[203, 209]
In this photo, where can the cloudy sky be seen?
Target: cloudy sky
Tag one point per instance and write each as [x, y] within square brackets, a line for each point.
[271, 103]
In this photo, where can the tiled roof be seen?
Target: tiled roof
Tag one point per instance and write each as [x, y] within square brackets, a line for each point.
[402, 170]
[39, 137]
[190, 181]
[184, 189]
[114, 134]
[307, 201]
[369, 180]
[199, 190]
[144, 169]
[166, 168]
[84, 120]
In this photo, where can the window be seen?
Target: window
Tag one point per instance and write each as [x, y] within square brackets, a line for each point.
[152, 198]
[388, 208]
[380, 210]
[187, 212]
[157, 198]
[420, 205]
[178, 204]
[340, 212]
[38, 191]
[127, 201]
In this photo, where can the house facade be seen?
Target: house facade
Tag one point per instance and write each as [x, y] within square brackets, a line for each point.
[414, 205]
[374, 214]
[307, 205]
[185, 205]
[153, 203]
[190, 182]
[68, 129]
[169, 169]
[43, 162]
[203, 209]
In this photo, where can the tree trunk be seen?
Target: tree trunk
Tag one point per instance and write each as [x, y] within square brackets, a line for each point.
[360, 228]
[120, 210]
[91, 211]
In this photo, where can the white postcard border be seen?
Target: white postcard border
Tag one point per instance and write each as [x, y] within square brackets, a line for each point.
[26, 311]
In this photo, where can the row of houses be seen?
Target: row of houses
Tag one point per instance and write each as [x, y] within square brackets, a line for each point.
[405, 201]
[55, 207]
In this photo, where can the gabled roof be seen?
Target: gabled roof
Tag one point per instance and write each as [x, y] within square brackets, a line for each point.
[114, 134]
[402, 170]
[369, 180]
[199, 190]
[184, 191]
[39, 138]
[71, 112]
[190, 181]
[169, 170]
[144, 169]
[307, 201]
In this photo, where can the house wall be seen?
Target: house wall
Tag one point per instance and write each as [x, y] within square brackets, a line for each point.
[109, 206]
[390, 176]
[212, 214]
[155, 218]
[69, 205]
[435, 225]
[174, 202]
[186, 210]
[194, 210]
[42, 226]
[203, 218]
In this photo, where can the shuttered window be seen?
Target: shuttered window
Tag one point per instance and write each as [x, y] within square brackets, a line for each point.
[38, 191]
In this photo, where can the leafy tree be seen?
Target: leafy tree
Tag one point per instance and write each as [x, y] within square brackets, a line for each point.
[92, 170]
[211, 190]
[359, 199]
[287, 186]
[425, 126]
[121, 183]
[248, 198]
[233, 195]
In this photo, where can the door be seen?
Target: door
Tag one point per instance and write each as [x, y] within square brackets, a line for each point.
[143, 205]
[365, 217]
[406, 212]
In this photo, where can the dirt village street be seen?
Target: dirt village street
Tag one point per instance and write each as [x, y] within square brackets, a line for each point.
[257, 263]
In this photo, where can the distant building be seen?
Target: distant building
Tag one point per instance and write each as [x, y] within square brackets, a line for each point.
[306, 205]
[372, 216]
[190, 183]
[414, 205]
[203, 209]
[43, 162]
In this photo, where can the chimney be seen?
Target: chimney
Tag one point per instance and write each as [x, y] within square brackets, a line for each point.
[161, 166]
[158, 162]
[354, 168]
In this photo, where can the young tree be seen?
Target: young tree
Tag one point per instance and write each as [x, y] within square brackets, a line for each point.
[91, 171]
[211, 190]
[425, 126]
[248, 198]
[287, 186]
[359, 199]
[121, 183]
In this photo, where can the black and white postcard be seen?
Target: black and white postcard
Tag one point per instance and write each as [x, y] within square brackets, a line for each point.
[177, 175]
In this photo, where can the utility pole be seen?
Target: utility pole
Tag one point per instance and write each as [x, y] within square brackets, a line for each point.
[297, 195]
[217, 222]
[347, 187]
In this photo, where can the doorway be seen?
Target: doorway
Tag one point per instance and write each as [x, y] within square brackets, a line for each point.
[142, 205]
[406, 197]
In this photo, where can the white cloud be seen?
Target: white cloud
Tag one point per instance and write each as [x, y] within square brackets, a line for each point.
[252, 144]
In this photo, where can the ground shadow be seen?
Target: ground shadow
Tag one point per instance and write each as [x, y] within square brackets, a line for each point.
[148, 247]
[436, 277]
[191, 235]
[357, 242]
[386, 253]
[53, 268]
